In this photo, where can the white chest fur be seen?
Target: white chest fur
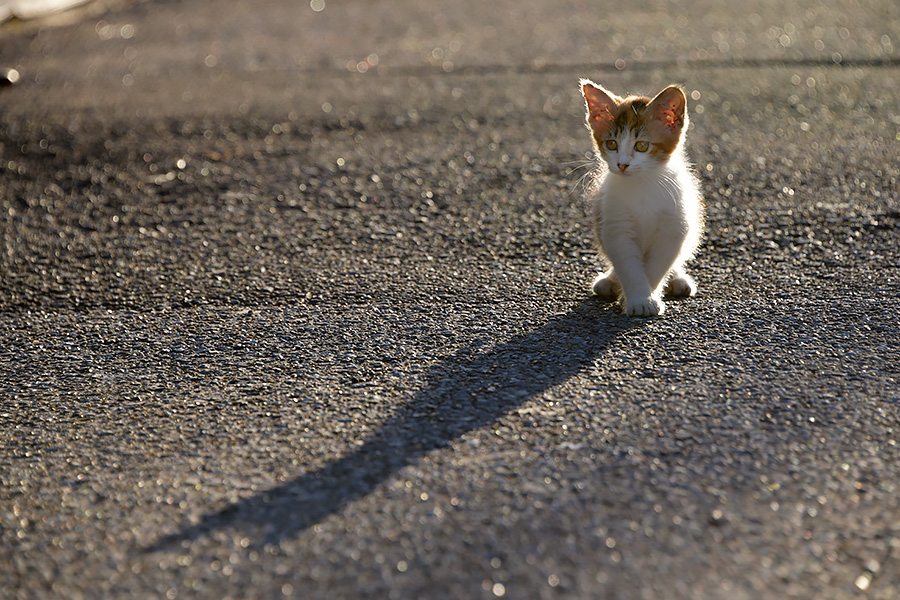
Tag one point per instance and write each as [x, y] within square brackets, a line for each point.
[646, 206]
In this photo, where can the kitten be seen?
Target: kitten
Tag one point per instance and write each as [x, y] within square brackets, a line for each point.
[647, 208]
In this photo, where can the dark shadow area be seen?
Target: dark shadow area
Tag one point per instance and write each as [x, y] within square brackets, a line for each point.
[465, 392]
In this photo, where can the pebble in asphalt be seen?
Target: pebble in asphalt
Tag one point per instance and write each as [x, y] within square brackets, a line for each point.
[272, 327]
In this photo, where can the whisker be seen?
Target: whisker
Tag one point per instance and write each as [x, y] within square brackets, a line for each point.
[579, 161]
[585, 165]
[586, 179]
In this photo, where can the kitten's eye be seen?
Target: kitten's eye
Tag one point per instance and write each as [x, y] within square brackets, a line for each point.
[642, 146]
[612, 144]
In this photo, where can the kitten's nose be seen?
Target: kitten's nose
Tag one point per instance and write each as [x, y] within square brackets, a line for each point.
[622, 167]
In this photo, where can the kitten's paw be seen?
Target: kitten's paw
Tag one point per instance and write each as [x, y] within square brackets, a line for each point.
[606, 286]
[681, 286]
[644, 307]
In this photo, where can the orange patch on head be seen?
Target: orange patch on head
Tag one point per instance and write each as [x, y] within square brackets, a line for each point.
[663, 149]
[631, 114]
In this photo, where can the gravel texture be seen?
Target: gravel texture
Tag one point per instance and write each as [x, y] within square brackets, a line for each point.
[294, 303]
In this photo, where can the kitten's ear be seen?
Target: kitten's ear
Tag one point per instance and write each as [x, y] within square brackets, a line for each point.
[600, 106]
[668, 112]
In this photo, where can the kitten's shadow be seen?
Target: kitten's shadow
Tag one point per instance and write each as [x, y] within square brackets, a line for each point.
[464, 393]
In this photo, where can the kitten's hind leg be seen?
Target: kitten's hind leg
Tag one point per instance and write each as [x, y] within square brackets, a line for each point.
[607, 285]
[680, 284]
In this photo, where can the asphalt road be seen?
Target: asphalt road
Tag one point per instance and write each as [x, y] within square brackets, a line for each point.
[294, 302]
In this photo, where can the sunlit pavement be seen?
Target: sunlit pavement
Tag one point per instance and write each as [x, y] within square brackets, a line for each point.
[294, 302]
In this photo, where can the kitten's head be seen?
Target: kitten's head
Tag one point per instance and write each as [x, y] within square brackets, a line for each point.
[635, 135]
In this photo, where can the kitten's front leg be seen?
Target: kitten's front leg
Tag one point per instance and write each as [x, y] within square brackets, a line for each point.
[638, 297]
[649, 306]
[662, 260]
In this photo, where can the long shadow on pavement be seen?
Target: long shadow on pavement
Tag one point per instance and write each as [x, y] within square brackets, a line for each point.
[467, 391]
